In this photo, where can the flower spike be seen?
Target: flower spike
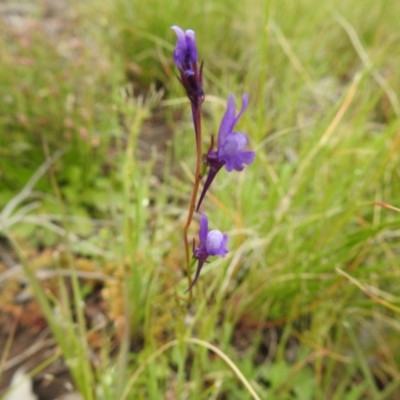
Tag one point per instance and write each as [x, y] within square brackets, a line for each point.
[212, 243]
[231, 145]
[185, 58]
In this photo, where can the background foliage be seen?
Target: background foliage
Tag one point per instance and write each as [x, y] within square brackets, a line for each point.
[306, 304]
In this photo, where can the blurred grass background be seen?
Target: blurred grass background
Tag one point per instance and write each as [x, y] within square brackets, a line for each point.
[306, 304]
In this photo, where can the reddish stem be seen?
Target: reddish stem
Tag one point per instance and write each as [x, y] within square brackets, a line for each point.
[197, 125]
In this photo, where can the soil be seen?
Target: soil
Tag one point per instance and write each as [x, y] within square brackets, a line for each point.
[25, 338]
[26, 341]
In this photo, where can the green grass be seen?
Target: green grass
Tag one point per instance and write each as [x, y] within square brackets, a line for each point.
[306, 304]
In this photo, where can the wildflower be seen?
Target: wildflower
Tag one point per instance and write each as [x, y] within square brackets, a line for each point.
[185, 58]
[212, 243]
[230, 146]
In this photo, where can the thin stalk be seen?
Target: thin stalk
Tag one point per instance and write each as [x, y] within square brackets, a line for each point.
[197, 178]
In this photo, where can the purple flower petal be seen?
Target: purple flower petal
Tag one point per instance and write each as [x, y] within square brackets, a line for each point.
[185, 53]
[245, 103]
[234, 142]
[233, 154]
[216, 243]
[237, 163]
[179, 33]
[191, 45]
[203, 230]
[180, 47]
[229, 120]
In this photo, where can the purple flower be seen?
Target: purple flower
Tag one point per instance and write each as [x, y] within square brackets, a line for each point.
[185, 53]
[185, 58]
[231, 146]
[212, 243]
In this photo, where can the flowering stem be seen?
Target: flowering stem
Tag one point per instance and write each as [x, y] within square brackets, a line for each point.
[197, 178]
